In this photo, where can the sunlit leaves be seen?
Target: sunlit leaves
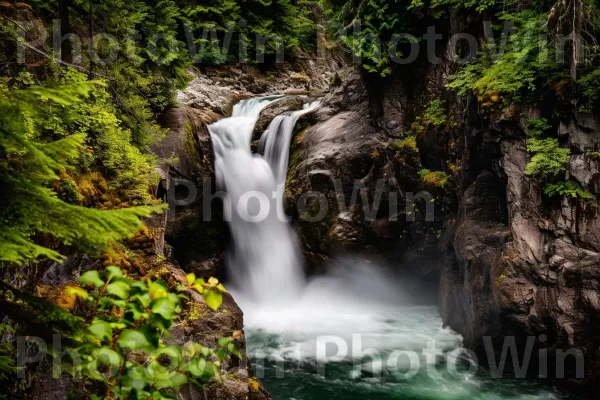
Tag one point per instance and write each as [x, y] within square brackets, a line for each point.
[569, 188]
[75, 291]
[113, 272]
[118, 289]
[134, 340]
[123, 346]
[91, 278]
[547, 157]
[101, 329]
[211, 290]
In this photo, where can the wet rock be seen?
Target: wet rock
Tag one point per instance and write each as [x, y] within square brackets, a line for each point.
[341, 164]
[286, 104]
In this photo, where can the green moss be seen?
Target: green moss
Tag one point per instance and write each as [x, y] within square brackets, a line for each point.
[191, 148]
[196, 311]
[434, 178]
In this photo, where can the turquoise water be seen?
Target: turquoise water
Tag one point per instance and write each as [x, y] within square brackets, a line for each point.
[310, 349]
[293, 375]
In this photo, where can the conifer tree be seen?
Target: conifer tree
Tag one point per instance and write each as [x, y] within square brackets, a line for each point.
[31, 212]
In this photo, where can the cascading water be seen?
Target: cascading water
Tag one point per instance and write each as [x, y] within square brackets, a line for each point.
[264, 262]
[285, 316]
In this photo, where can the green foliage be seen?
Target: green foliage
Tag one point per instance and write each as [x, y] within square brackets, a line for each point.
[590, 87]
[433, 116]
[434, 178]
[516, 74]
[408, 144]
[123, 347]
[568, 188]
[435, 113]
[537, 126]
[69, 192]
[109, 146]
[372, 27]
[548, 159]
[369, 29]
[593, 154]
[30, 157]
[211, 290]
[8, 366]
[220, 38]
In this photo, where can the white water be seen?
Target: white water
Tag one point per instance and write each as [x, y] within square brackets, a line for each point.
[264, 262]
[285, 315]
[359, 309]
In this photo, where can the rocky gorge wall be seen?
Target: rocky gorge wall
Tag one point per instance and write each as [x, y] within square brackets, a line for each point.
[508, 259]
[511, 260]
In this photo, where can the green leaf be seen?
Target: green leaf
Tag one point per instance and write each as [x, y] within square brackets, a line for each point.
[119, 289]
[136, 311]
[213, 299]
[134, 340]
[164, 324]
[175, 381]
[172, 351]
[91, 278]
[107, 356]
[164, 307]
[234, 350]
[158, 290]
[221, 288]
[193, 349]
[134, 377]
[101, 329]
[113, 272]
[202, 369]
[79, 292]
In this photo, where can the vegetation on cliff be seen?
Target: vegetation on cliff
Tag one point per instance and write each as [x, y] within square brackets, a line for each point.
[79, 117]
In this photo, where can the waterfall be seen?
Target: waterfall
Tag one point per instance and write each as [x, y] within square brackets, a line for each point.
[264, 262]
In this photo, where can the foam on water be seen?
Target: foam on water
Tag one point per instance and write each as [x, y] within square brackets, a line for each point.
[360, 306]
[286, 317]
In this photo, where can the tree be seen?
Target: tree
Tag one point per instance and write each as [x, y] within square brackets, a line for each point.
[31, 211]
[573, 18]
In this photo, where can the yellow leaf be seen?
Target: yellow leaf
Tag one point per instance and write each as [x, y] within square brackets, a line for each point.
[190, 278]
[221, 288]
[213, 281]
[200, 281]
[199, 288]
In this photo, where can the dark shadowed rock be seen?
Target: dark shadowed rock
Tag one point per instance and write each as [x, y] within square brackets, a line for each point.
[340, 153]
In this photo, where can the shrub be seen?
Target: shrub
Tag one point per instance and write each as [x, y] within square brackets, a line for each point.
[568, 188]
[435, 113]
[434, 178]
[537, 126]
[408, 144]
[515, 75]
[548, 159]
[122, 348]
[31, 159]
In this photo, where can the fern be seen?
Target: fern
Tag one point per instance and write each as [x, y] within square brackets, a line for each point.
[548, 158]
[568, 188]
[29, 163]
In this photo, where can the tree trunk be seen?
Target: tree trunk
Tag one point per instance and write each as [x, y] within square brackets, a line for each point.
[577, 26]
[66, 49]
